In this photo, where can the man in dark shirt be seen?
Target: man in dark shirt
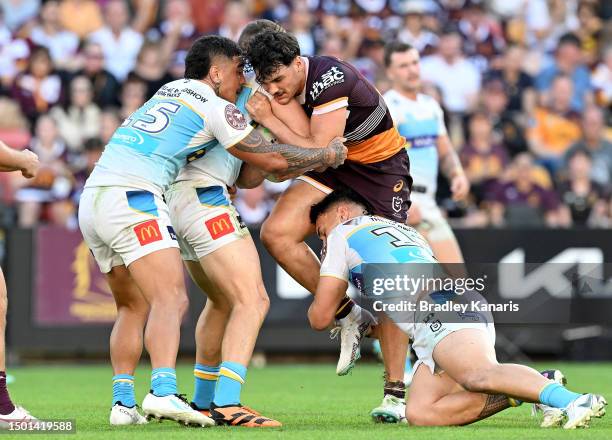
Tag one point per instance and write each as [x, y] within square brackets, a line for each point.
[339, 101]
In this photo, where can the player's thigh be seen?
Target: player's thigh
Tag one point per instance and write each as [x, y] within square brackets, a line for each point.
[125, 291]
[464, 352]
[290, 216]
[159, 275]
[427, 387]
[216, 297]
[235, 270]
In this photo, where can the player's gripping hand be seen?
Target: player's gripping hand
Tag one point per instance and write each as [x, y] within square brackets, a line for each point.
[460, 186]
[259, 107]
[29, 163]
[337, 152]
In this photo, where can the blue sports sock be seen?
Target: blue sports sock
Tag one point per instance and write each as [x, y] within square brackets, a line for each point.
[205, 383]
[231, 378]
[123, 390]
[163, 382]
[557, 396]
[408, 366]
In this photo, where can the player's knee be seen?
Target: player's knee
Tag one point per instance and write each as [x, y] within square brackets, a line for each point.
[417, 416]
[478, 380]
[274, 236]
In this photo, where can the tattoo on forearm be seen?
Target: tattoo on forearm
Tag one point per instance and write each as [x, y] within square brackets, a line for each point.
[493, 405]
[450, 163]
[298, 158]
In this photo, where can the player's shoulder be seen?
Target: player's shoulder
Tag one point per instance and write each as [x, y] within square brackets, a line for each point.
[329, 76]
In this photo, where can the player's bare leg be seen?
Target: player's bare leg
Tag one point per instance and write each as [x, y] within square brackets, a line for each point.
[8, 411]
[126, 344]
[284, 231]
[209, 332]
[159, 276]
[235, 271]
[468, 356]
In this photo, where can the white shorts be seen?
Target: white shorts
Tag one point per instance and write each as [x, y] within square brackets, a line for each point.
[434, 224]
[427, 329]
[121, 225]
[204, 218]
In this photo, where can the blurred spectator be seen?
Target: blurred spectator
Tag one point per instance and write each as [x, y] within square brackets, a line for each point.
[518, 84]
[235, 17]
[456, 76]
[483, 160]
[206, 15]
[52, 183]
[506, 129]
[151, 68]
[300, 25]
[14, 129]
[414, 32]
[109, 122]
[38, 88]
[79, 119]
[120, 43]
[88, 13]
[602, 78]
[585, 202]
[92, 150]
[105, 85]
[589, 31]
[176, 29]
[18, 12]
[597, 146]
[555, 126]
[133, 95]
[568, 61]
[62, 44]
[520, 202]
[252, 205]
[483, 37]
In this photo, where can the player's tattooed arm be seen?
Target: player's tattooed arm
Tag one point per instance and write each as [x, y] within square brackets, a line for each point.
[250, 176]
[286, 159]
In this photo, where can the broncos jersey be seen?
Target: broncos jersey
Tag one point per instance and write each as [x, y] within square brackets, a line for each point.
[184, 121]
[421, 122]
[218, 164]
[371, 239]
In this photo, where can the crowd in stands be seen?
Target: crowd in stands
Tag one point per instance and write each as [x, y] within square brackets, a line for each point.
[526, 86]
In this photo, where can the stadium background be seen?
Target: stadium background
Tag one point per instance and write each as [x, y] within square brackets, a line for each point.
[526, 86]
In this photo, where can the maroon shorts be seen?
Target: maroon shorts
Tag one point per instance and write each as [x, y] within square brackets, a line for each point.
[385, 184]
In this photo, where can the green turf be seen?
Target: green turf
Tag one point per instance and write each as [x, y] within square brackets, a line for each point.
[311, 401]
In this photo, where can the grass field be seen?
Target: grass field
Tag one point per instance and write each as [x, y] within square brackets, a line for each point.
[310, 400]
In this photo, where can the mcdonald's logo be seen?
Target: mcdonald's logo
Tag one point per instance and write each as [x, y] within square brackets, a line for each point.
[148, 232]
[219, 226]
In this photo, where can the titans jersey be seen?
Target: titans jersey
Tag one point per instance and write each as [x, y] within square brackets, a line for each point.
[218, 164]
[371, 239]
[182, 122]
[421, 122]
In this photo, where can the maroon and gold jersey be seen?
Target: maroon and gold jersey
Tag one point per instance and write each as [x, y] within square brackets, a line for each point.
[332, 84]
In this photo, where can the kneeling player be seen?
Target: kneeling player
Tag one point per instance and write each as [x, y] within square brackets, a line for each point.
[473, 383]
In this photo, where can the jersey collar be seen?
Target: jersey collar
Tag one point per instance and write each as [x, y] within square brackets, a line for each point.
[302, 96]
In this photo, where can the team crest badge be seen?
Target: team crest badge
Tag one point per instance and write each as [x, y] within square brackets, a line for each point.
[234, 117]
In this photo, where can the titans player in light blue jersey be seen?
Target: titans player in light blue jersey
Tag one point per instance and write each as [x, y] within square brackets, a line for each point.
[126, 223]
[419, 118]
[457, 378]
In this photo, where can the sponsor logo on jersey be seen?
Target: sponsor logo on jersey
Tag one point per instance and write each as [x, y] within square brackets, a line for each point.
[398, 186]
[234, 117]
[397, 203]
[172, 233]
[148, 232]
[330, 78]
[195, 94]
[219, 226]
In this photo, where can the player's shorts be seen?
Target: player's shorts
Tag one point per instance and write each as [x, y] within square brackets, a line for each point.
[204, 218]
[385, 184]
[434, 223]
[428, 328]
[121, 225]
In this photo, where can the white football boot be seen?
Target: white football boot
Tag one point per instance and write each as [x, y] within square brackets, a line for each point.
[123, 415]
[173, 407]
[19, 414]
[580, 411]
[352, 329]
[391, 410]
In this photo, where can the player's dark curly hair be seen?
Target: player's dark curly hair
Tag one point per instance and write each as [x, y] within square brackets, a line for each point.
[254, 28]
[268, 51]
[343, 194]
[204, 50]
